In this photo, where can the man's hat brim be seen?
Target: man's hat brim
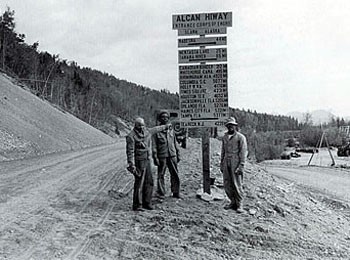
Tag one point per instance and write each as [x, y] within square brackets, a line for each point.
[231, 123]
[162, 112]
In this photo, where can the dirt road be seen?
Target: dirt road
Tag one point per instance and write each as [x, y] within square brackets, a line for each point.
[319, 176]
[333, 182]
[59, 207]
[44, 199]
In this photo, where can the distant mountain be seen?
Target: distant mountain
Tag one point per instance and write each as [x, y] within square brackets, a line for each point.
[317, 116]
[297, 115]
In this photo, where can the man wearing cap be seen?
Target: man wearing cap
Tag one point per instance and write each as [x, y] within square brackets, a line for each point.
[138, 152]
[233, 157]
[166, 154]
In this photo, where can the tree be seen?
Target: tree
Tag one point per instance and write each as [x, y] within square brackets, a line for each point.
[7, 34]
[307, 119]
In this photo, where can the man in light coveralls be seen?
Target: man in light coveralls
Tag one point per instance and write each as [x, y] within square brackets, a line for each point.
[233, 157]
[166, 154]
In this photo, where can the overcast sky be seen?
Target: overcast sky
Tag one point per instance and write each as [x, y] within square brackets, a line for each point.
[283, 55]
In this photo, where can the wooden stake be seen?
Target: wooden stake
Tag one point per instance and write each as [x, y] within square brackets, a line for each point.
[319, 149]
[329, 151]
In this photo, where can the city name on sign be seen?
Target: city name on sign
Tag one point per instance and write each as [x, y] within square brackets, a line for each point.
[207, 41]
[201, 71]
[209, 113]
[205, 31]
[202, 55]
[203, 95]
[195, 124]
[202, 20]
[203, 101]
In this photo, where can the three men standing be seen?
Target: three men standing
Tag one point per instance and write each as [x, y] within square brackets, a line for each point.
[233, 157]
[166, 154]
[138, 151]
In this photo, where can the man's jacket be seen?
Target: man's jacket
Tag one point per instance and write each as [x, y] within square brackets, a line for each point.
[138, 145]
[234, 148]
[165, 144]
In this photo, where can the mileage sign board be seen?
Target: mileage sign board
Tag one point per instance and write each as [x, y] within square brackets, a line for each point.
[203, 95]
[202, 55]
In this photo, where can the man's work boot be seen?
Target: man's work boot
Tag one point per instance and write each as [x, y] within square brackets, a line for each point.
[231, 206]
[148, 207]
[137, 209]
[176, 195]
[240, 209]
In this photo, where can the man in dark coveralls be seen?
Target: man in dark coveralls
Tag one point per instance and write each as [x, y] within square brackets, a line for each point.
[138, 151]
[166, 154]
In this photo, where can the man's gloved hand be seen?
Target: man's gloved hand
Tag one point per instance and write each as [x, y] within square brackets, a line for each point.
[240, 170]
[169, 126]
[155, 161]
[131, 168]
[137, 173]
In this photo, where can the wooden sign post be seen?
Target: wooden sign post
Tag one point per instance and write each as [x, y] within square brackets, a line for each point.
[206, 159]
[203, 87]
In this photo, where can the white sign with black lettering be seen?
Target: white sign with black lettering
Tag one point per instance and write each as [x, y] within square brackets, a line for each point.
[202, 55]
[207, 41]
[203, 95]
[187, 32]
[202, 20]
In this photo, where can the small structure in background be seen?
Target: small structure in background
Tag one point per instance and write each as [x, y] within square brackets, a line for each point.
[344, 149]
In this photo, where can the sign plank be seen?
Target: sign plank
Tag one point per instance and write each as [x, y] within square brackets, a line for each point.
[203, 95]
[208, 41]
[204, 31]
[202, 20]
[202, 55]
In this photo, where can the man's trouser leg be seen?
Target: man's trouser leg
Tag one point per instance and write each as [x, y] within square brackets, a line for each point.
[233, 183]
[237, 181]
[147, 185]
[227, 177]
[160, 177]
[143, 186]
[174, 175]
[136, 199]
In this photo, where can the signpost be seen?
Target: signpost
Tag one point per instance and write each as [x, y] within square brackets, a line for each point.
[203, 87]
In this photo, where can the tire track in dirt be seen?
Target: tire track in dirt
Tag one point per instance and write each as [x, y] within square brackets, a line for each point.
[10, 175]
[53, 186]
[87, 238]
[23, 203]
[28, 254]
